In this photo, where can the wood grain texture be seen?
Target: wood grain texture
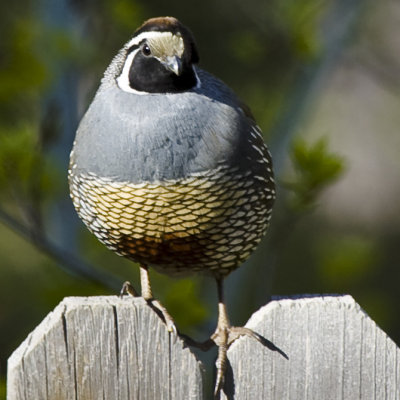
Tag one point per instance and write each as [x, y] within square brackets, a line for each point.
[103, 348]
[334, 351]
[317, 347]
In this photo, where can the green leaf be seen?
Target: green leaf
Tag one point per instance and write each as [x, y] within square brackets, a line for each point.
[315, 168]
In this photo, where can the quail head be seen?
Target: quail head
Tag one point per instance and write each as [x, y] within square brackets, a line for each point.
[169, 168]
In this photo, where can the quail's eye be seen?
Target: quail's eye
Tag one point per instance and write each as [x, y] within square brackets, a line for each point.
[146, 50]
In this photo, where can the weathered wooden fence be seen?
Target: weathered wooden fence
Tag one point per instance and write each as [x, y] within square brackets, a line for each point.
[111, 348]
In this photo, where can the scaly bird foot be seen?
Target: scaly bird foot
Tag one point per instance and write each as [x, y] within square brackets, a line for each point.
[162, 311]
[128, 289]
[223, 337]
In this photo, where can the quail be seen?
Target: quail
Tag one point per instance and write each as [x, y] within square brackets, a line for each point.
[170, 170]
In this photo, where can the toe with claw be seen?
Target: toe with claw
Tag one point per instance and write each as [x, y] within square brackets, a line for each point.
[224, 336]
[147, 294]
[127, 288]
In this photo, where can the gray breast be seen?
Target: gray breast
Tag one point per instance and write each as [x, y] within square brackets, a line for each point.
[146, 138]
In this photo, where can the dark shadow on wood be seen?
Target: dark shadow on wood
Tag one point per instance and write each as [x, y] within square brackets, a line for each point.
[156, 310]
[229, 386]
[271, 346]
[204, 346]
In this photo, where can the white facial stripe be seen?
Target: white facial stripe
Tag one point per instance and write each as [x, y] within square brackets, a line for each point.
[198, 81]
[145, 35]
[123, 79]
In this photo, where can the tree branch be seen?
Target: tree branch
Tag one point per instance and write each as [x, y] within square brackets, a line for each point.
[70, 263]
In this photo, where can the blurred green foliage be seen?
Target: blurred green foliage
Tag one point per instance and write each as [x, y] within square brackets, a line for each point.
[23, 169]
[182, 298]
[52, 57]
[315, 168]
[2, 388]
[346, 258]
[16, 95]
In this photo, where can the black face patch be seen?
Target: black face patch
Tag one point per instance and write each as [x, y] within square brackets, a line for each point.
[169, 24]
[148, 74]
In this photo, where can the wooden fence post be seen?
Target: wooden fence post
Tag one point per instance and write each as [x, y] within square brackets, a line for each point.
[329, 349]
[99, 348]
[317, 347]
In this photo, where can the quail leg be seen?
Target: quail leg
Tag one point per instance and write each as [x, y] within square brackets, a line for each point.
[147, 294]
[127, 288]
[224, 336]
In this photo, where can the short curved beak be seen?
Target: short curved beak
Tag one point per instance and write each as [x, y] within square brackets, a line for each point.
[174, 64]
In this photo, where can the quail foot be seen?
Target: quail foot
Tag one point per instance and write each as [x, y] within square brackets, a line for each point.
[170, 170]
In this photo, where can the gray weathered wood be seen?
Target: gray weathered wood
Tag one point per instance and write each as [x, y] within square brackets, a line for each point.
[111, 348]
[335, 351]
[103, 348]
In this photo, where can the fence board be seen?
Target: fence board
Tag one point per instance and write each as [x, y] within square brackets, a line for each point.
[320, 347]
[103, 348]
[335, 351]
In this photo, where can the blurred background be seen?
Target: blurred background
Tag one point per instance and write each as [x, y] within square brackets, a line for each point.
[323, 81]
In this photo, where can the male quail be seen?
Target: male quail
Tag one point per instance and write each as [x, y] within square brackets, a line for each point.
[169, 169]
